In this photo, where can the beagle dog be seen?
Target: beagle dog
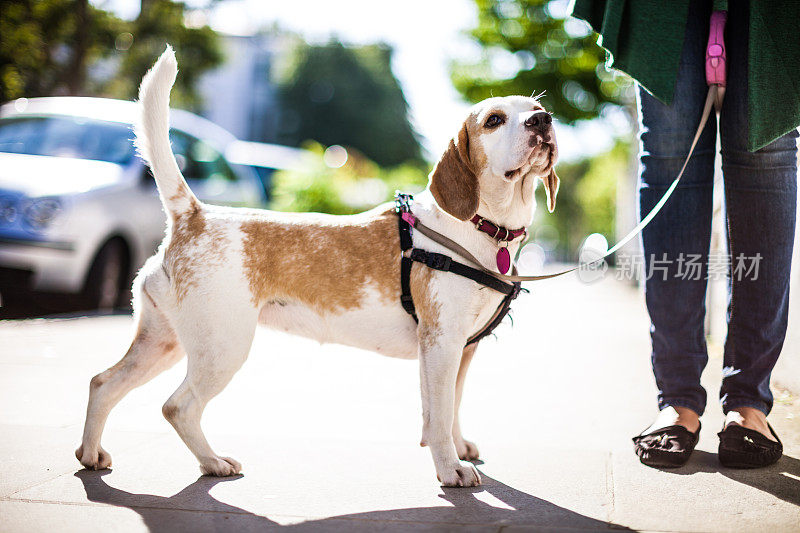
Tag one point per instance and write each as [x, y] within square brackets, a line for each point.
[221, 271]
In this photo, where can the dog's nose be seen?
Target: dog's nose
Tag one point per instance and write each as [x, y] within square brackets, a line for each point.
[539, 121]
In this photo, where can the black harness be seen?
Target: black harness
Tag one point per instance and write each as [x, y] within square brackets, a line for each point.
[444, 263]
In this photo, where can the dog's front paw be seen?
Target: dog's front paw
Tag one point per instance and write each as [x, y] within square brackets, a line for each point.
[98, 459]
[467, 450]
[460, 475]
[220, 467]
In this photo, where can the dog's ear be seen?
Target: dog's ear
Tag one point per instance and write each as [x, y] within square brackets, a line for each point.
[551, 184]
[454, 184]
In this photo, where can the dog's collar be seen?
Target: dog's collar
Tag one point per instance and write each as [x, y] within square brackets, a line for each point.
[495, 231]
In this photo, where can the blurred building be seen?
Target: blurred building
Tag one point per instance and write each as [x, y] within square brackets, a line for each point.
[240, 96]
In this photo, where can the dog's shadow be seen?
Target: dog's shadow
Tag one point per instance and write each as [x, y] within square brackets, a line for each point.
[194, 509]
[782, 479]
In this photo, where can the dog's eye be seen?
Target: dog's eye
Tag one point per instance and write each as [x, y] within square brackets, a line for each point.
[493, 121]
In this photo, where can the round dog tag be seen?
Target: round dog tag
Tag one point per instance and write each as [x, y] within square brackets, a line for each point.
[503, 260]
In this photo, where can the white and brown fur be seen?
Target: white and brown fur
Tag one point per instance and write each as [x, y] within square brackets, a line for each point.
[222, 271]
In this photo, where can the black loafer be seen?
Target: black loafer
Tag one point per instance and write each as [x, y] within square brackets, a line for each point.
[741, 447]
[668, 447]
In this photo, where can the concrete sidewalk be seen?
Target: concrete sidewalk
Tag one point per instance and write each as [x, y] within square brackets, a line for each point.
[328, 435]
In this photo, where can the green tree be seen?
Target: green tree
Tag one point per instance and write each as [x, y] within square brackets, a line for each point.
[161, 22]
[529, 47]
[46, 45]
[70, 47]
[347, 95]
[586, 199]
[356, 186]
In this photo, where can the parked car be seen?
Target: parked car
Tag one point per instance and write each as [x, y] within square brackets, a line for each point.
[79, 212]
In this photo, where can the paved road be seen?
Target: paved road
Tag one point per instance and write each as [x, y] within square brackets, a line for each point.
[328, 436]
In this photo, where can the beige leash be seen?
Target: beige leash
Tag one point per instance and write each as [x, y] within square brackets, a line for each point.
[445, 241]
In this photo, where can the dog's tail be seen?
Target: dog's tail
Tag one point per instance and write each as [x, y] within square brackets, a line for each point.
[152, 136]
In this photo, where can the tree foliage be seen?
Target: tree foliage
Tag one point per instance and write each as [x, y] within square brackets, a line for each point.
[45, 45]
[528, 46]
[70, 47]
[160, 22]
[347, 95]
[586, 199]
[356, 186]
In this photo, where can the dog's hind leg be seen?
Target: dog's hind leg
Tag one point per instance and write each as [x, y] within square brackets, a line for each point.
[466, 449]
[154, 349]
[217, 344]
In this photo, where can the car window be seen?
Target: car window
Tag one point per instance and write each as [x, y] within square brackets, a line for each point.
[198, 160]
[65, 136]
[181, 147]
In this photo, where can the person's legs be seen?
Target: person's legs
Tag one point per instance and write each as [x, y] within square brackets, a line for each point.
[676, 242]
[761, 199]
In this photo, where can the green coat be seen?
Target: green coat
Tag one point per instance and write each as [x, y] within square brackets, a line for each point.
[645, 39]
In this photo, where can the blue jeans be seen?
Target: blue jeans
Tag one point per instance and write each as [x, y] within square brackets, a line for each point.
[760, 200]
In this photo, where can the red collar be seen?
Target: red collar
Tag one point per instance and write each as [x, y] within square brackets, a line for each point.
[498, 233]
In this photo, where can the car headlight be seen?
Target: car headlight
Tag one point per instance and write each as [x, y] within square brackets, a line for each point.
[8, 210]
[39, 214]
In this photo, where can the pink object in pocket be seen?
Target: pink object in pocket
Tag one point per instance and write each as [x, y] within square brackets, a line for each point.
[716, 57]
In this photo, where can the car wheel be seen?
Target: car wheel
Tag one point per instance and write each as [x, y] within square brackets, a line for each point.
[106, 276]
